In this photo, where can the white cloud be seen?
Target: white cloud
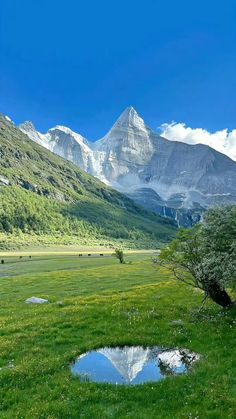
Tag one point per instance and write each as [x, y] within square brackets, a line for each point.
[223, 141]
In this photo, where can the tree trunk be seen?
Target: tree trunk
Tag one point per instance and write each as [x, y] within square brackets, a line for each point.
[219, 295]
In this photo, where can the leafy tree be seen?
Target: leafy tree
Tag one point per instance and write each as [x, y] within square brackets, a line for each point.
[205, 256]
[119, 254]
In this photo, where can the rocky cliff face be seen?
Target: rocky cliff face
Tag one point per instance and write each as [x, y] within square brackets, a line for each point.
[171, 178]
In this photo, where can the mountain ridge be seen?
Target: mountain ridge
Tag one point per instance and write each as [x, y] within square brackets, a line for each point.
[131, 157]
[44, 194]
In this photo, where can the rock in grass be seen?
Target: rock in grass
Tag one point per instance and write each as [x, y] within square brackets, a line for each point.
[35, 300]
[178, 322]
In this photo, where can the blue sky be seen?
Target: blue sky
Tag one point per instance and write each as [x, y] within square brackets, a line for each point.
[80, 63]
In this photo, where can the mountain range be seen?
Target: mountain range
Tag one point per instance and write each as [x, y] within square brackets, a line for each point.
[170, 178]
[45, 197]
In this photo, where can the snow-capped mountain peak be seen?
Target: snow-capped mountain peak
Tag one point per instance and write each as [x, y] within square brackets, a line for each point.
[69, 133]
[29, 129]
[130, 120]
[27, 125]
[62, 141]
[171, 178]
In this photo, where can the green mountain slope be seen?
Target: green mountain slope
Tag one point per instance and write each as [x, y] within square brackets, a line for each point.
[43, 195]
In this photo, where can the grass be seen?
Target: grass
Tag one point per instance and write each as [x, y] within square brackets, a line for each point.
[105, 303]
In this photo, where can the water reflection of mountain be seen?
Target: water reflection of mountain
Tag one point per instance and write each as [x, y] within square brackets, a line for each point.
[132, 364]
[129, 361]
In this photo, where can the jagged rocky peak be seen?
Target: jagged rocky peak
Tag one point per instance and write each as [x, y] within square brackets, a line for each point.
[27, 126]
[128, 125]
[129, 138]
[62, 141]
[70, 145]
[60, 131]
[130, 118]
[29, 129]
[126, 148]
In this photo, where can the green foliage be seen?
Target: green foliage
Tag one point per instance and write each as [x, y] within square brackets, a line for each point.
[205, 256]
[48, 195]
[219, 240]
[119, 254]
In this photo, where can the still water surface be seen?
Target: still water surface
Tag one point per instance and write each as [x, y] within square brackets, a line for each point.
[132, 364]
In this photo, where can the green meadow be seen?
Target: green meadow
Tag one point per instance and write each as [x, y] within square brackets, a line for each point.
[95, 302]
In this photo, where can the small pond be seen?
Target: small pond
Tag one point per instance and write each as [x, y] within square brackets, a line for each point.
[132, 364]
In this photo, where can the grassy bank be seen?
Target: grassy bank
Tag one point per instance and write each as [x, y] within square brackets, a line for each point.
[27, 242]
[104, 303]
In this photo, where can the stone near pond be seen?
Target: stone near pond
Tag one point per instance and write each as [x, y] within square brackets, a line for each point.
[10, 364]
[36, 300]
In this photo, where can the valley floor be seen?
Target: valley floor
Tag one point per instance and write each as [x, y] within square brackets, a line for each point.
[105, 303]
